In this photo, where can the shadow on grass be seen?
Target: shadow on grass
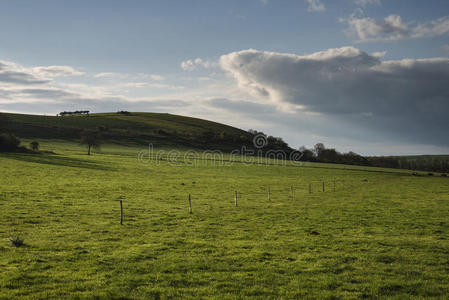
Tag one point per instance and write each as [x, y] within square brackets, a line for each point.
[57, 160]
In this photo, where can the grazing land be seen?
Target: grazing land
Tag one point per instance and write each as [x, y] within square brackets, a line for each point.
[380, 233]
[136, 128]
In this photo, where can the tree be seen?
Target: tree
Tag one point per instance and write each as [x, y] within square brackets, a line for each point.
[91, 139]
[8, 142]
[318, 149]
[307, 154]
[34, 145]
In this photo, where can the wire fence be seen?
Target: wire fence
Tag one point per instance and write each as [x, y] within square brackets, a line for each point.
[195, 199]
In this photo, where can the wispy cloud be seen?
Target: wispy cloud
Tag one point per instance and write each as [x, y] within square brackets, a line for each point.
[315, 6]
[193, 64]
[116, 75]
[364, 3]
[12, 73]
[392, 28]
[57, 71]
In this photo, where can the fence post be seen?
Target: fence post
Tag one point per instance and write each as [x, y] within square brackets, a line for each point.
[310, 188]
[121, 212]
[292, 192]
[190, 205]
[235, 198]
[323, 186]
[269, 198]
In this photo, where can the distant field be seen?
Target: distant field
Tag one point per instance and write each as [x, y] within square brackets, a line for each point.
[380, 233]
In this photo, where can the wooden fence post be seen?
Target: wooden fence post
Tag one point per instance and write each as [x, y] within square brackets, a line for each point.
[190, 205]
[121, 212]
[323, 186]
[269, 198]
[235, 198]
[310, 188]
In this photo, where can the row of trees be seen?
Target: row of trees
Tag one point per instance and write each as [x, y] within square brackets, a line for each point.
[422, 163]
[320, 153]
[71, 113]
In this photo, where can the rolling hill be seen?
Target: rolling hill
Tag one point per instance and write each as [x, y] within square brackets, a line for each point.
[137, 128]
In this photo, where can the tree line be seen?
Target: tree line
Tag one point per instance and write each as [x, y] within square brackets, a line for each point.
[71, 113]
[419, 163]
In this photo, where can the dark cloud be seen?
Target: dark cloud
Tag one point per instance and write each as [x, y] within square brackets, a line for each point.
[20, 78]
[53, 94]
[407, 100]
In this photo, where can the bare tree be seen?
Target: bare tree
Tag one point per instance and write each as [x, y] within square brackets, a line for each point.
[91, 139]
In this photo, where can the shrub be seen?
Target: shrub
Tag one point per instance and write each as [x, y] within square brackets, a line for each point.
[34, 145]
[16, 241]
[8, 142]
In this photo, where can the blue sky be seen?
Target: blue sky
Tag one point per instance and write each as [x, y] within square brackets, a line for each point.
[193, 58]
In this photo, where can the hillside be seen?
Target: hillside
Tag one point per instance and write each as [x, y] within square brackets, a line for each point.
[140, 128]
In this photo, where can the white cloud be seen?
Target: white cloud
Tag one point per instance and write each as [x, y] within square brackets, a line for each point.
[57, 71]
[193, 64]
[116, 75]
[379, 54]
[403, 97]
[152, 85]
[157, 77]
[110, 75]
[392, 28]
[315, 5]
[364, 3]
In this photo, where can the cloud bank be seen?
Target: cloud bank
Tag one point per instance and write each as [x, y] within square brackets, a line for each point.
[404, 99]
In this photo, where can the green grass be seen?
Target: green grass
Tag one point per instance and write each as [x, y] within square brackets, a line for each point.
[138, 129]
[381, 233]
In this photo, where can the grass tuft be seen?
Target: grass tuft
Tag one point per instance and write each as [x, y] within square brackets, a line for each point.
[16, 241]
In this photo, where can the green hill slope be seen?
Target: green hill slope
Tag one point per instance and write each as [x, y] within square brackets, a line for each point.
[134, 128]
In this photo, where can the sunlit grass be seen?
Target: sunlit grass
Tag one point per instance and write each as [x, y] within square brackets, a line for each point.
[379, 234]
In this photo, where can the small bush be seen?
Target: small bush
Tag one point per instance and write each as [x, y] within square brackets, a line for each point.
[34, 145]
[8, 142]
[443, 175]
[16, 241]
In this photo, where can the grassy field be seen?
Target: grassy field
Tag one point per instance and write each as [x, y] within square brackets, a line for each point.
[381, 233]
